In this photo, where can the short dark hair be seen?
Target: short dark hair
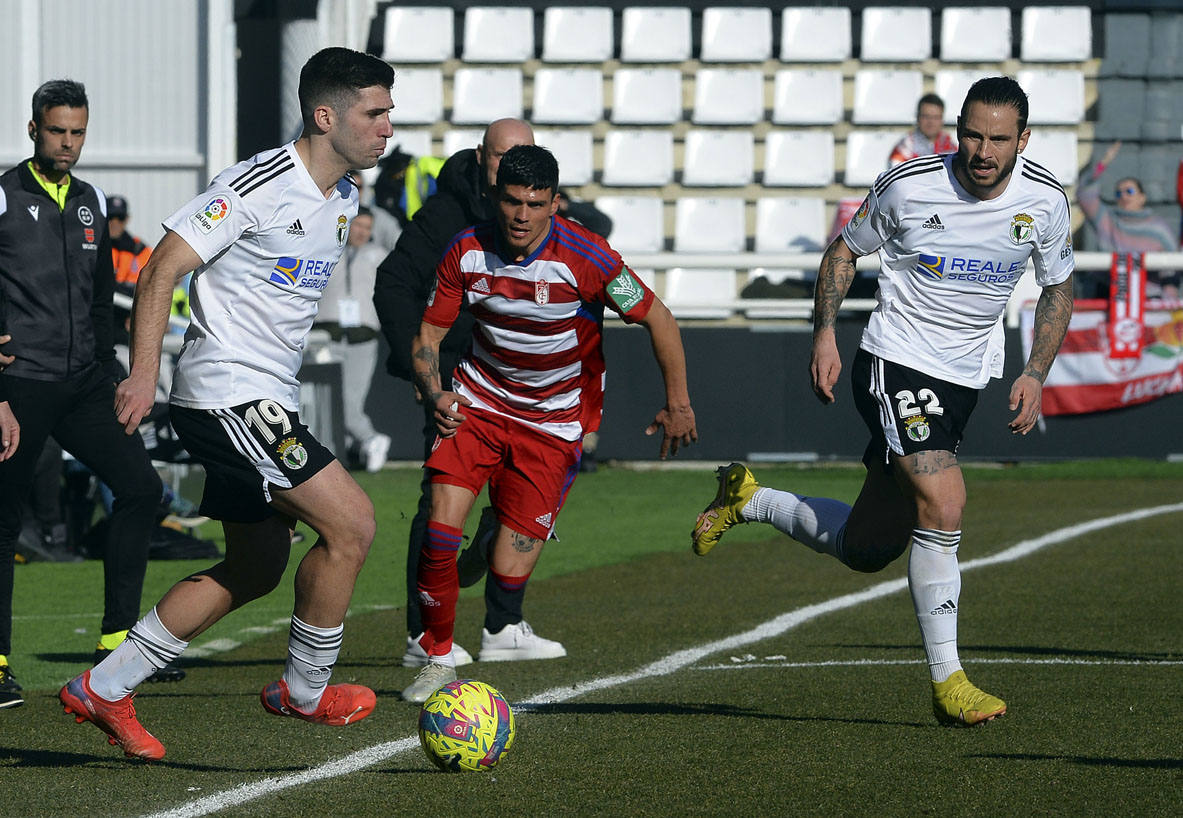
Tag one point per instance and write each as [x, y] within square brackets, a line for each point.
[530, 165]
[929, 99]
[333, 76]
[58, 92]
[998, 91]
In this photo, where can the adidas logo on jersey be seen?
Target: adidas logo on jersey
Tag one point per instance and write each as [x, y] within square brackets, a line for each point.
[295, 228]
[544, 519]
[933, 223]
[481, 285]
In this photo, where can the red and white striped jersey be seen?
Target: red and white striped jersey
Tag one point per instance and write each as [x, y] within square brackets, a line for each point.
[537, 352]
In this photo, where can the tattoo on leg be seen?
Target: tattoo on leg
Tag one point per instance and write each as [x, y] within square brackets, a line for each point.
[932, 462]
[523, 544]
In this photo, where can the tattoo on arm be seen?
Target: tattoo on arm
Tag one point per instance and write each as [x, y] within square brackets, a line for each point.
[427, 372]
[1052, 313]
[834, 277]
[523, 544]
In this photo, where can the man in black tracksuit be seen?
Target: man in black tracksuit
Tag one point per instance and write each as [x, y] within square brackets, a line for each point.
[404, 282]
[57, 280]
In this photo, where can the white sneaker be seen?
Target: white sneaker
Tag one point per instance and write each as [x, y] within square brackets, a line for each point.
[431, 678]
[416, 656]
[375, 451]
[517, 642]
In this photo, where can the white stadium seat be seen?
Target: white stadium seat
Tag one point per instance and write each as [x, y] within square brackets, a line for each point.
[1055, 97]
[790, 224]
[646, 96]
[952, 85]
[654, 34]
[728, 96]
[715, 158]
[736, 34]
[498, 34]
[1055, 149]
[799, 158]
[575, 34]
[709, 225]
[638, 222]
[573, 149]
[418, 95]
[896, 34]
[975, 34]
[811, 34]
[1056, 34]
[886, 97]
[638, 157]
[459, 139]
[867, 153]
[690, 292]
[568, 96]
[418, 34]
[481, 95]
[807, 97]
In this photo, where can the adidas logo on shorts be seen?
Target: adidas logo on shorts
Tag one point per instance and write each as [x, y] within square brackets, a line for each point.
[544, 519]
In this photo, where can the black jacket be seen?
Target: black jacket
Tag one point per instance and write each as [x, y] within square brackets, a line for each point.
[406, 278]
[57, 278]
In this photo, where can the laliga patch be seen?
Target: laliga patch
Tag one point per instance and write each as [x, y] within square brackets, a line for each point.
[625, 291]
[1021, 227]
[917, 429]
[212, 215]
[861, 213]
[292, 453]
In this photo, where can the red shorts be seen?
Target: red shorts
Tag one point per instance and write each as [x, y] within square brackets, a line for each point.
[529, 472]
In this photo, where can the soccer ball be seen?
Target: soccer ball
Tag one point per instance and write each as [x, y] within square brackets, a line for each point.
[466, 725]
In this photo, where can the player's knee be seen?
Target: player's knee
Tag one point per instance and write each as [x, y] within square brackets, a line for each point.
[871, 557]
[943, 515]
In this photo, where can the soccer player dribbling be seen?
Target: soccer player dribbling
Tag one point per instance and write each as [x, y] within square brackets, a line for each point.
[263, 240]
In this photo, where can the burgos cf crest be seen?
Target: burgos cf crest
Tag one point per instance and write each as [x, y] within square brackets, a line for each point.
[1020, 228]
[292, 453]
[917, 429]
[342, 229]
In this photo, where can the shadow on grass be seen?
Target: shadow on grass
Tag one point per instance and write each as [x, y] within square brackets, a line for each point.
[1092, 761]
[53, 759]
[668, 709]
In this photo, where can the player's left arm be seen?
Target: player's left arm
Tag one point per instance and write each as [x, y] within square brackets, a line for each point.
[676, 418]
[1052, 313]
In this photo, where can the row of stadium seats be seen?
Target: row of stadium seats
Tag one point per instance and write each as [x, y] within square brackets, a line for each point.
[707, 157]
[574, 34]
[720, 96]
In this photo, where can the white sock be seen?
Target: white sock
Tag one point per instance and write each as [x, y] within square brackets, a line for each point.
[312, 652]
[815, 521]
[935, 582]
[149, 646]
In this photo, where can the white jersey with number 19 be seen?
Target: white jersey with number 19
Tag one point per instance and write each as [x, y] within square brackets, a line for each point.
[949, 262]
[270, 240]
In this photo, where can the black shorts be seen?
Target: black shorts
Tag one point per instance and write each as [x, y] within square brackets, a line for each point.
[906, 410]
[246, 451]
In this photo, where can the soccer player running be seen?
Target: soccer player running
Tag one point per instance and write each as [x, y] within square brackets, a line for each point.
[263, 239]
[954, 234]
[532, 386]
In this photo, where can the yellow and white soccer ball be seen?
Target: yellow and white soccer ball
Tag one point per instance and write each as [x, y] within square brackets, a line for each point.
[466, 725]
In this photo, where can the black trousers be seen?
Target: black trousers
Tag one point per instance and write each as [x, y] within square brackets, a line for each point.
[80, 414]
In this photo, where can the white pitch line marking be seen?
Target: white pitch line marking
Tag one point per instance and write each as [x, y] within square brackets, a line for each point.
[1000, 660]
[370, 756]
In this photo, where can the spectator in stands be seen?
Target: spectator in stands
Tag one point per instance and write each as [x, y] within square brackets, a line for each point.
[1128, 226]
[347, 314]
[515, 412]
[585, 213]
[57, 277]
[928, 137]
[404, 282]
[405, 182]
[386, 228]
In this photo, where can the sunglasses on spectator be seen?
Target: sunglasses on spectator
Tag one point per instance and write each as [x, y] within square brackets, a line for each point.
[1128, 190]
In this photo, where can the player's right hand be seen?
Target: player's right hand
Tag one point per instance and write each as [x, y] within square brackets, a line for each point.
[825, 364]
[135, 396]
[447, 412]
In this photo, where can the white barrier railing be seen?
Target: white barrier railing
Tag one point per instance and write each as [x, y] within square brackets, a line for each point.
[802, 308]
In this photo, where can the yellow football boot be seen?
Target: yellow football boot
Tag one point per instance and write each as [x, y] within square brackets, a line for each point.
[736, 487]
